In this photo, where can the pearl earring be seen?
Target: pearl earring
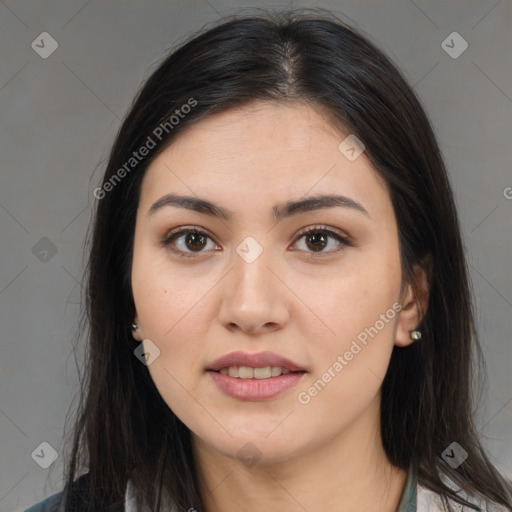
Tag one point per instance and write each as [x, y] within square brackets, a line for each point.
[134, 327]
[416, 335]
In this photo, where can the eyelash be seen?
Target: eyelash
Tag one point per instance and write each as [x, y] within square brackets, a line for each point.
[171, 237]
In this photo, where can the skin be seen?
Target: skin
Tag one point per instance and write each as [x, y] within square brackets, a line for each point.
[304, 305]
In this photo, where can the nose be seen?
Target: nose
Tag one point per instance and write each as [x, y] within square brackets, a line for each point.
[254, 299]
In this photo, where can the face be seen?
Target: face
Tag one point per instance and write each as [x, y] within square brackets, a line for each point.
[274, 314]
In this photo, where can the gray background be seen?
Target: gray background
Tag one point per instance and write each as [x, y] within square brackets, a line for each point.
[58, 117]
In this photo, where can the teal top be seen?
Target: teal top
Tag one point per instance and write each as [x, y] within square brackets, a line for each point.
[50, 504]
[408, 500]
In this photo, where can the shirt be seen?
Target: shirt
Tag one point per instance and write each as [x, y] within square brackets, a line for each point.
[415, 498]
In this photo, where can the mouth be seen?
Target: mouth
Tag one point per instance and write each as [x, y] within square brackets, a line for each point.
[259, 372]
[254, 377]
[259, 365]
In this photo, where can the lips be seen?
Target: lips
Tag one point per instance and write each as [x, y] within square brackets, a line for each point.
[254, 360]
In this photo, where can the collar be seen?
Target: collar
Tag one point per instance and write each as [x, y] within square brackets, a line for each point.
[408, 501]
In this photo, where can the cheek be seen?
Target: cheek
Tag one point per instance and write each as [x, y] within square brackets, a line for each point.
[174, 312]
[177, 330]
[347, 302]
[350, 365]
[352, 344]
[166, 296]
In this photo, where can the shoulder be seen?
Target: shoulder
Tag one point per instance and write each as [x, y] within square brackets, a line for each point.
[52, 503]
[430, 501]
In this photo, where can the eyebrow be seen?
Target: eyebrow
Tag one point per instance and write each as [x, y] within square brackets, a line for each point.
[279, 211]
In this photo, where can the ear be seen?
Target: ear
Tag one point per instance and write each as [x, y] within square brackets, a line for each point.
[414, 301]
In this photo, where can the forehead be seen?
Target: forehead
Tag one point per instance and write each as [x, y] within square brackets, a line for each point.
[260, 126]
[263, 151]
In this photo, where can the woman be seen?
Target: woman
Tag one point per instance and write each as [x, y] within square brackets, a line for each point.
[278, 300]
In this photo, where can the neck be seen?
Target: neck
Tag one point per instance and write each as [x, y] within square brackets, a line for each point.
[350, 472]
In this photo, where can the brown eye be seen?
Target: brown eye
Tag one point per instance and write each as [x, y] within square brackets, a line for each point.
[195, 242]
[318, 238]
[316, 241]
[186, 242]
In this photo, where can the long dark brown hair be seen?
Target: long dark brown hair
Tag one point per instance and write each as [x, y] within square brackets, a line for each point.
[124, 430]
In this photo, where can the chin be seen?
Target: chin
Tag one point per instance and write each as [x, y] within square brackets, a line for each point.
[253, 447]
